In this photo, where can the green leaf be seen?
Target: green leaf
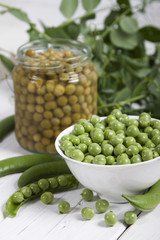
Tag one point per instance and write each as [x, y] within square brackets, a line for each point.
[150, 33]
[140, 88]
[8, 64]
[98, 49]
[86, 17]
[123, 40]
[18, 13]
[68, 7]
[56, 32]
[111, 17]
[122, 95]
[89, 5]
[124, 5]
[72, 30]
[128, 25]
[140, 73]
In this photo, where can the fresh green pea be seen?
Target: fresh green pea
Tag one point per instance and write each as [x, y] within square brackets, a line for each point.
[132, 122]
[53, 183]
[102, 205]
[47, 197]
[64, 207]
[86, 140]
[99, 159]
[110, 160]
[108, 134]
[43, 184]
[130, 217]
[144, 122]
[97, 136]
[82, 121]
[66, 137]
[119, 149]
[156, 139]
[155, 154]
[116, 125]
[88, 159]
[18, 197]
[129, 141]
[147, 154]
[142, 138]
[132, 131]
[83, 147]
[27, 192]
[154, 132]
[104, 143]
[65, 144]
[158, 149]
[148, 130]
[156, 124]
[123, 159]
[77, 155]
[78, 129]
[110, 218]
[94, 149]
[62, 180]
[35, 188]
[68, 151]
[110, 118]
[115, 140]
[87, 213]
[88, 126]
[149, 144]
[95, 119]
[132, 150]
[74, 139]
[116, 112]
[87, 195]
[136, 159]
[101, 126]
[107, 149]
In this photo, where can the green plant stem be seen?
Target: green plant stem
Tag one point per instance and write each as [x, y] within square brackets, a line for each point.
[122, 103]
[46, 36]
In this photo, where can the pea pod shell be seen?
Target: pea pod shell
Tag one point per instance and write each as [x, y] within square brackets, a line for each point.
[21, 163]
[6, 126]
[11, 208]
[42, 170]
[147, 201]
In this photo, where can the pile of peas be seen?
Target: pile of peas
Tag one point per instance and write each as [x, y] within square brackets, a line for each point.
[116, 140]
[52, 92]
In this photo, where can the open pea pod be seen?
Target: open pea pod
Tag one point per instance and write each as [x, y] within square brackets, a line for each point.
[69, 182]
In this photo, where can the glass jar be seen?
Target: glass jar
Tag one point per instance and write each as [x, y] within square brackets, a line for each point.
[55, 84]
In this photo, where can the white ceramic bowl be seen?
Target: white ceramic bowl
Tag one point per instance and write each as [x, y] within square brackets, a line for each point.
[110, 181]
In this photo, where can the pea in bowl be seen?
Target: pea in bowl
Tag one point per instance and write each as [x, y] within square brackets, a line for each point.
[111, 181]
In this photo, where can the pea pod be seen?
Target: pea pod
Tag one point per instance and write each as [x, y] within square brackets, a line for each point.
[13, 205]
[147, 201]
[42, 170]
[21, 163]
[6, 126]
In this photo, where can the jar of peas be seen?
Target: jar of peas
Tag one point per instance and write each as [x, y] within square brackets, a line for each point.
[55, 84]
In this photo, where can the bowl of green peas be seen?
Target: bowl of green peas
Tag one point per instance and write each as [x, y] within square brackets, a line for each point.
[113, 155]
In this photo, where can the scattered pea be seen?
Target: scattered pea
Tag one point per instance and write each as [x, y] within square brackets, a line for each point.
[87, 195]
[87, 213]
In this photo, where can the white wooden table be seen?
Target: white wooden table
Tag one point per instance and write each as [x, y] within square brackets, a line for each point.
[41, 221]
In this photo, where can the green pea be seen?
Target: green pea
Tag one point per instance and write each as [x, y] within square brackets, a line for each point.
[144, 114]
[110, 218]
[35, 188]
[104, 142]
[158, 149]
[154, 132]
[136, 159]
[130, 217]
[156, 139]
[110, 118]
[18, 197]
[97, 136]
[132, 150]
[65, 144]
[156, 124]
[99, 159]
[87, 195]
[132, 122]
[108, 134]
[147, 154]
[43, 184]
[66, 137]
[79, 129]
[101, 126]
[132, 131]
[144, 122]
[142, 138]
[82, 121]
[94, 149]
[107, 149]
[87, 213]
[64, 207]
[95, 119]
[119, 149]
[129, 141]
[115, 140]
[149, 144]
[88, 126]
[77, 155]
[88, 159]
[69, 150]
[148, 130]
[116, 112]
[155, 154]
[116, 125]
[83, 147]
[53, 182]
[62, 180]
[102, 205]
[75, 140]
[86, 140]
[123, 159]
[47, 197]
[27, 192]
[110, 160]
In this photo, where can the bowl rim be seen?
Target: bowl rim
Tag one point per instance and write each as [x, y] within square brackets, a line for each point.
[97, 165]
